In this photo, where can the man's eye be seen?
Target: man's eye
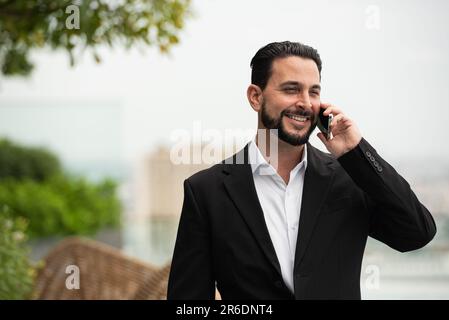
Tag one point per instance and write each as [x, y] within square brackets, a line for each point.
[316, 93]
[291, 90]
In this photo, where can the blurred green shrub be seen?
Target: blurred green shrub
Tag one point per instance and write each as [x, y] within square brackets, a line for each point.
[34, 163]
[54, 203]
[16, 272]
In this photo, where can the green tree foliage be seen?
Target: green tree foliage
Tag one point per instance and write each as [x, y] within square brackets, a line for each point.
[33, 163]
[16, 272]
[53, 202]
[29, 24]
[61, 205]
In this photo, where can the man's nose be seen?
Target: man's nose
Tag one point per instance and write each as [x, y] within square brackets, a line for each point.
[304, 101]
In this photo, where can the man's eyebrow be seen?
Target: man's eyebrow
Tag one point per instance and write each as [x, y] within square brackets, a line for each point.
[298, 84]
[290, 83]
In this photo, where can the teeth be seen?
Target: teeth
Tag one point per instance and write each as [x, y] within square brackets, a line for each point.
[297, 118]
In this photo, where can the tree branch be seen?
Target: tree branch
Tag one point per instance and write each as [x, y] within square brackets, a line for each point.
[27, 13]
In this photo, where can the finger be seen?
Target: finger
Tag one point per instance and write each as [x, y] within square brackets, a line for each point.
[332, 109]
[338, 130]
[334, 123]
[324, 105]
[339, 117]
[323, 139]
[341, 123]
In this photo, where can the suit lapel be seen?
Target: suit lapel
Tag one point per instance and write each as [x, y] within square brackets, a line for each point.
[240, 185]
[317, 181]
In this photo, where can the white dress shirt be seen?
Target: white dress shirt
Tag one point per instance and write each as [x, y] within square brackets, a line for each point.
[281, 205]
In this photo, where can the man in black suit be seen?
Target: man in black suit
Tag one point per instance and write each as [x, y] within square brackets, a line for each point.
[294, 228]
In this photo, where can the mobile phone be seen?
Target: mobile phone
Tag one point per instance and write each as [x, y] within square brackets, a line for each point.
[324, 123]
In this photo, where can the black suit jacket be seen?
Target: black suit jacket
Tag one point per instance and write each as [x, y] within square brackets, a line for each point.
[223, 240]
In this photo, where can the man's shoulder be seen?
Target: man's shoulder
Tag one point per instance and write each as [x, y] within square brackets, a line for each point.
[206, 175]
[218, 171]
[323, 156]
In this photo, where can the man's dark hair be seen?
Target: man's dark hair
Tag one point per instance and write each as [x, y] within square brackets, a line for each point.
[262, 61]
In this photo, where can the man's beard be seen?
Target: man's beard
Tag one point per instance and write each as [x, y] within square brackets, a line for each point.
[276, 123]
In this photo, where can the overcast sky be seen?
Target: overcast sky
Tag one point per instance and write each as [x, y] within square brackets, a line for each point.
[391, 78]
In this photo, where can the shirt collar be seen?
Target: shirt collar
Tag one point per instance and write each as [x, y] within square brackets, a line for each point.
[257, 160]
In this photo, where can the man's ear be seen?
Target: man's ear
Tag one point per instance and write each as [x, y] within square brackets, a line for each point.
[255, 98]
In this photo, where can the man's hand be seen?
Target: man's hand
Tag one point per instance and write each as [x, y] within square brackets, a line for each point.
[346, 135]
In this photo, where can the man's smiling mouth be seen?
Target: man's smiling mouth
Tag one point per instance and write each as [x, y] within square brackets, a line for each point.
[297, 118]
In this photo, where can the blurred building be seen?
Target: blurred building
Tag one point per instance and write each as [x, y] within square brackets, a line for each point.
[159, 190]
